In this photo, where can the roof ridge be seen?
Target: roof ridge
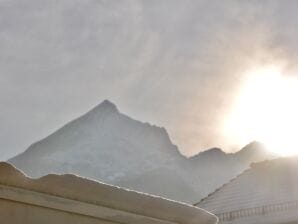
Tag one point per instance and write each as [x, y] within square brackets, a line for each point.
[252, 165]
[222, 186]
[73, 187]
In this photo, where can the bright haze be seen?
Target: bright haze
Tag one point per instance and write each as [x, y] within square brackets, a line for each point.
[213, 73]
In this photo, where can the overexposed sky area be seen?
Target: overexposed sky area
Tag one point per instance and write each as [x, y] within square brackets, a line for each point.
[177, 64]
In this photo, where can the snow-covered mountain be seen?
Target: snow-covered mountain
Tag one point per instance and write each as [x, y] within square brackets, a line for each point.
[109, 146]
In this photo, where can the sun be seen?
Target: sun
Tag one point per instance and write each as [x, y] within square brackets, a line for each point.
[266, 110]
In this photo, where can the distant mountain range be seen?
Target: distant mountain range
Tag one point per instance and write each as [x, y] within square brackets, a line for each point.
[111, 147]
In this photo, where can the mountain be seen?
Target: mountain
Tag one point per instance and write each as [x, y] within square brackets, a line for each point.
[104, 145]
[109, 146]
[215, 167]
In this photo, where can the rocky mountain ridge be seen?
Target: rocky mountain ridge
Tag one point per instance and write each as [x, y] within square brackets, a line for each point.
[111, 147]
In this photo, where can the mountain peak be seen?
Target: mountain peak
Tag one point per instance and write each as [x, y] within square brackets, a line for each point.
[253, 147]
[106, 106]
[256, 151]
[214, 151]
[210, 152]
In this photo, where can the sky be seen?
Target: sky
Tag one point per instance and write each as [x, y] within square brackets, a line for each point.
[176, 64]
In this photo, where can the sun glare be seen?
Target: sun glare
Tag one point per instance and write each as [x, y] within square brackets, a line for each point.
[266, 110]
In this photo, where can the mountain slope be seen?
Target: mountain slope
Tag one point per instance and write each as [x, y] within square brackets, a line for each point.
[109, 146]
[215, 167]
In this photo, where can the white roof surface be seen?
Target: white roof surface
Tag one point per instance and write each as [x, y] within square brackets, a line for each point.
[89, 191]
[265, 188]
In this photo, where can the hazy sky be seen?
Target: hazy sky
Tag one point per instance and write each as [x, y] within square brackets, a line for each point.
[173, 63]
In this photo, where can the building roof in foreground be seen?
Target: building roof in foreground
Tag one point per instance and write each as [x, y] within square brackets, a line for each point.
[265, 188]
[92, 192]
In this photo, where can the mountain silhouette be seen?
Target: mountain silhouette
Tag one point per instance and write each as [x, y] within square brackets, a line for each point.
[108, 146]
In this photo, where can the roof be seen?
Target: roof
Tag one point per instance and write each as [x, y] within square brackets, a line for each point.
[268, 183]
[85, 190]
